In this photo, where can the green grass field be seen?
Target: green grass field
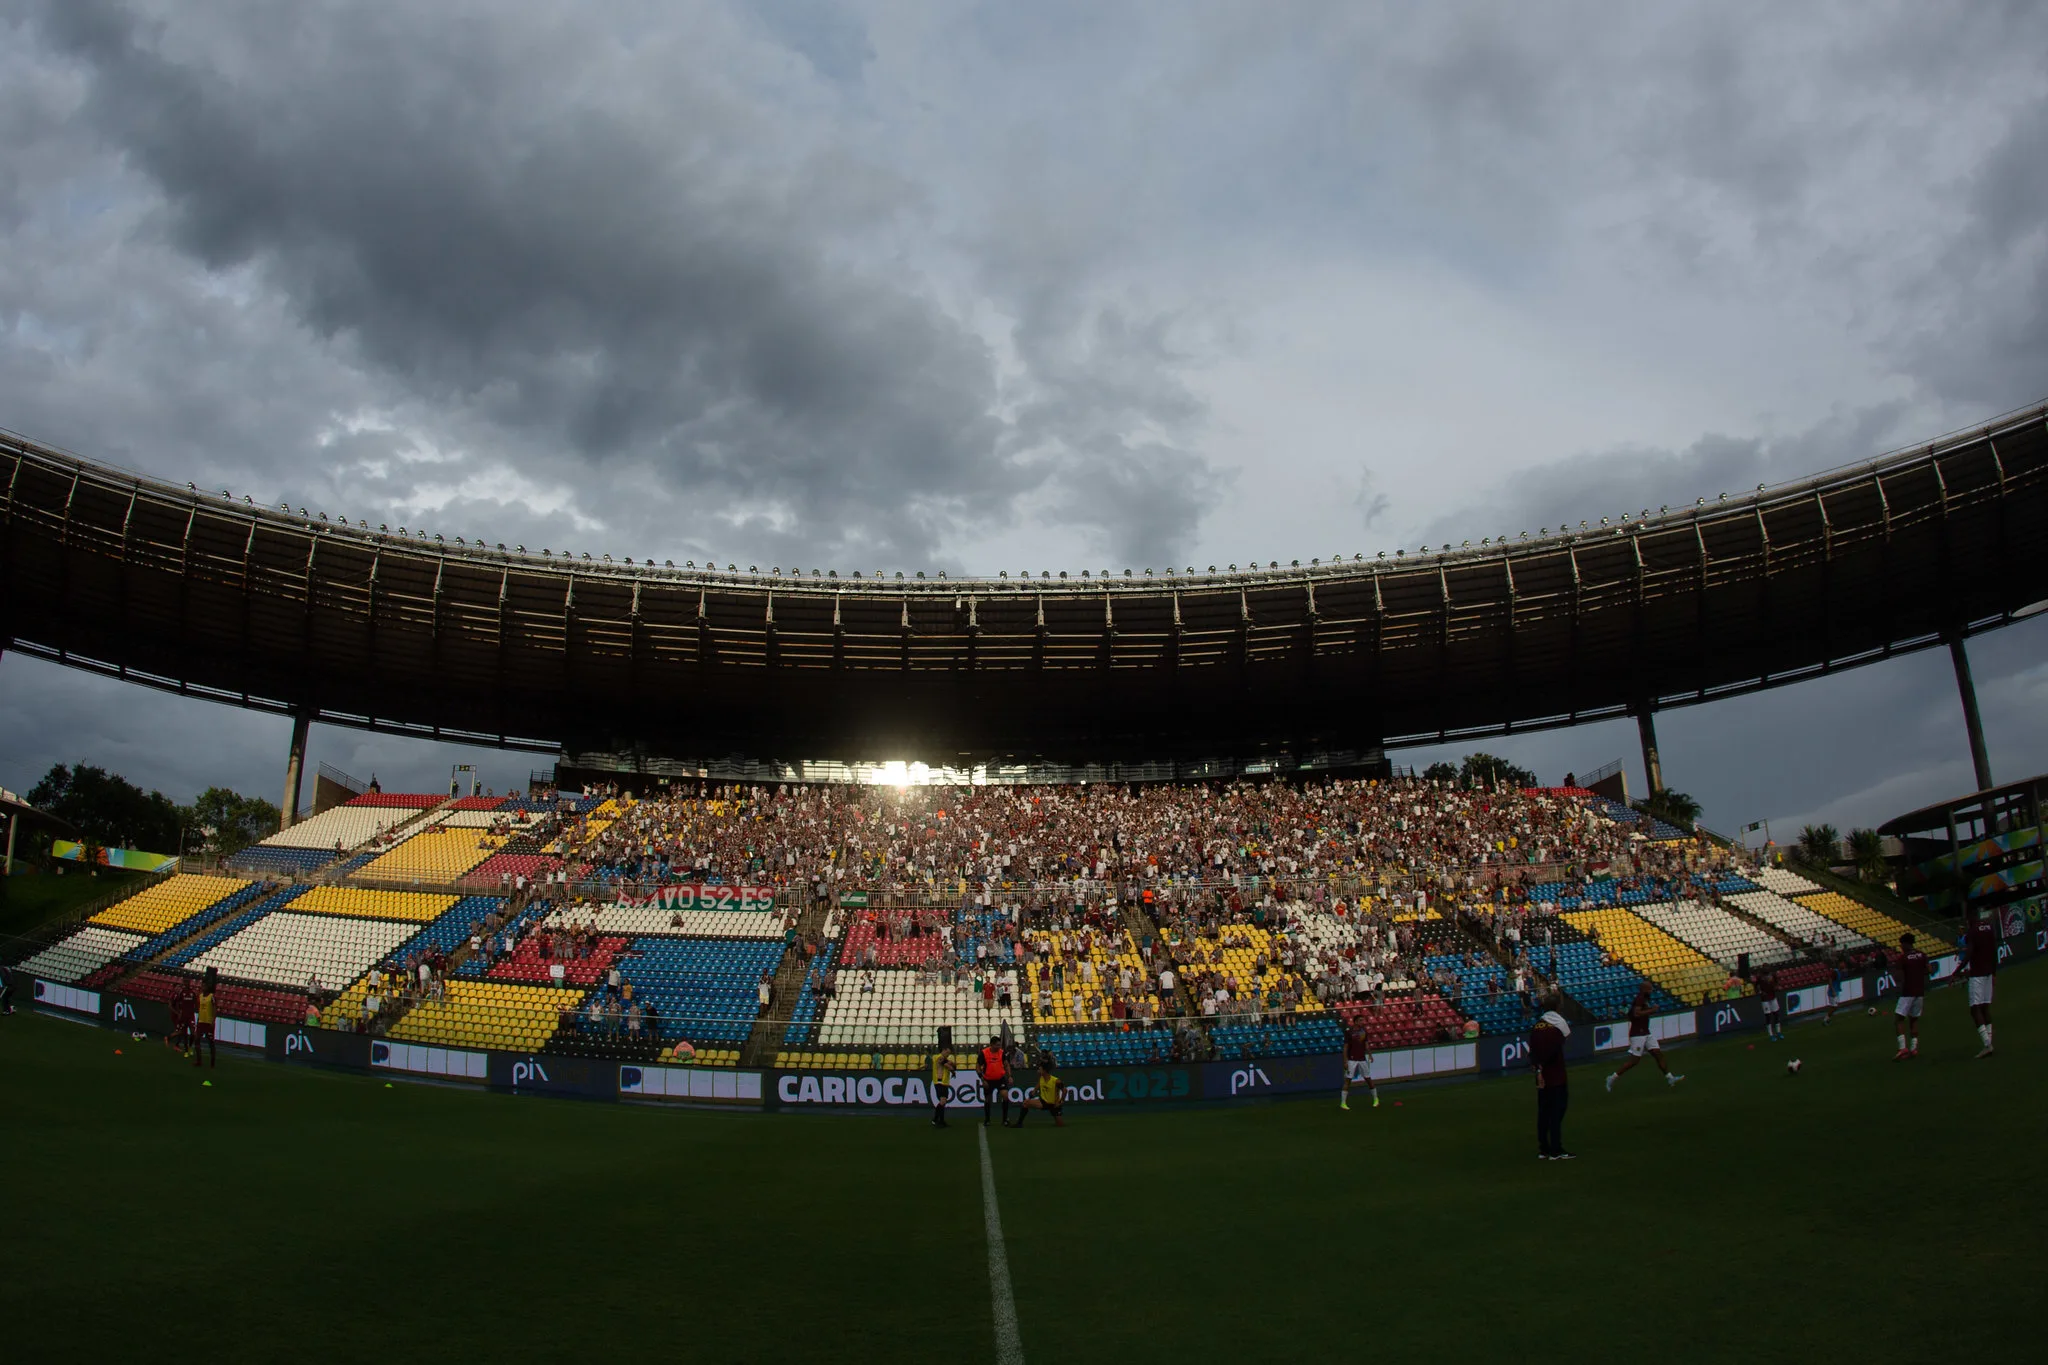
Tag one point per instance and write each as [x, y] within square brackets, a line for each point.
[1863, 1208]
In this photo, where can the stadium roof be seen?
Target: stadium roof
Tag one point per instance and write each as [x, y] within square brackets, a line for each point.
[211, 596]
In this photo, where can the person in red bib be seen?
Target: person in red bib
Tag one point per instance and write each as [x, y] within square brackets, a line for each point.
[995, 1079]
[1911, 970]
[1980, 948]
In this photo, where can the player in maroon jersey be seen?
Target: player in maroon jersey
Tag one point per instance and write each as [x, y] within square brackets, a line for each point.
[1642, 1040]
[1911, 970]
[1774, 1008]
[1357, 1065]
[1980, 947]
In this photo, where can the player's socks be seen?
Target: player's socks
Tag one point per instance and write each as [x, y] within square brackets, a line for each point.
[1902, 1042]
[1612, 1077]
[1916, 1045]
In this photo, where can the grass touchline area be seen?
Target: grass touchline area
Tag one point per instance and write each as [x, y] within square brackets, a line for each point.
[1748, 1212]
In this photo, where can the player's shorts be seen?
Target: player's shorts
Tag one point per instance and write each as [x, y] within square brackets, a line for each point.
[202, 1030]
[1770, 1007]
[1908, 1007]
[1980, 989]
[1639, 1043]
[1834, 990]
[1358, 1071]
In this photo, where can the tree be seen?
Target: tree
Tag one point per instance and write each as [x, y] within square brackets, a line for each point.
[237, 821]
[1673, 808]
[1866, 850]
[1441, 772]
[1484, 770]
[1819, 845]
[107, 809]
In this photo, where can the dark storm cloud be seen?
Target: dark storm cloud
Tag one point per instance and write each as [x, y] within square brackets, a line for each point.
[671, 294]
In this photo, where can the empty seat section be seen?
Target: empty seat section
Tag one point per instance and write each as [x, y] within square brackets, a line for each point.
[1300, 1038]
[655, 921]
[529, 964]
[376, 903]
[1091, 1046]
[1784, 883]
[1403, 1021]
[168, 904]
[1498, 1011]
[435, 856]
[1679, 972]
[262, 860]
[705, 989]
[487, 1014]
[1717, 934]
[288, 949]
[884, 944]
[1795, 919]
[350, 826]
[80, 953]
[501, 868]
[1880, 928]
[898, 1007]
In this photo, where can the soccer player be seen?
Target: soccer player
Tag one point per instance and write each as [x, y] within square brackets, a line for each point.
[203, 1028]
[1911, 970]
[1980, 945]
[1357, 1065]
[1774, 1011]
[942, 1086]
[1641, 1040]
[1047, 1098]
[1834, 987]
[994, 1067]
[179, 1039]
[1546, 1055]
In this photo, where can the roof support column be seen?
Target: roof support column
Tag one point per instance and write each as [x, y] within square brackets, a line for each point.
[1653, 766]
[295, 766]
[1980, 757]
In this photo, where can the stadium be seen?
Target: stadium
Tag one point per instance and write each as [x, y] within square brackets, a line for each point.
[1161, 865]
[1184, 622]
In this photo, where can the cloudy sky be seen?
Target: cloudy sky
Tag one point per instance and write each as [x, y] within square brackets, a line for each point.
[982, 287]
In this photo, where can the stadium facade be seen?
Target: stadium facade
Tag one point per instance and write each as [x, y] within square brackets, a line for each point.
[619, 665]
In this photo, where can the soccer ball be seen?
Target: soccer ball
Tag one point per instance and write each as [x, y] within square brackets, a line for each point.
[1792, 1067]
[1871, 1010]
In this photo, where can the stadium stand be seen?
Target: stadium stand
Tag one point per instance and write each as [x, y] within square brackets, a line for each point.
[893, 1008]
[1798, 921]
[350, 825]
[1783, 882]
[1715, 933]
[652, 920]
[1087, 979]
[80, 953]
[234, 1001]
[286, 949]
[1485, 993]
[168, 904]
[529, 963]
[1105, 1047]
[437, 857]
[1291, 1039]
[1646, 953]
[487, 1014]
[803, 1018]
[1405, 1021]
[705, 989]
[1879, 928]
[374, 903]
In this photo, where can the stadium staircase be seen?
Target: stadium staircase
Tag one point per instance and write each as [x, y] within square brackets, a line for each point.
[1140, 924]
[767, 1037]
